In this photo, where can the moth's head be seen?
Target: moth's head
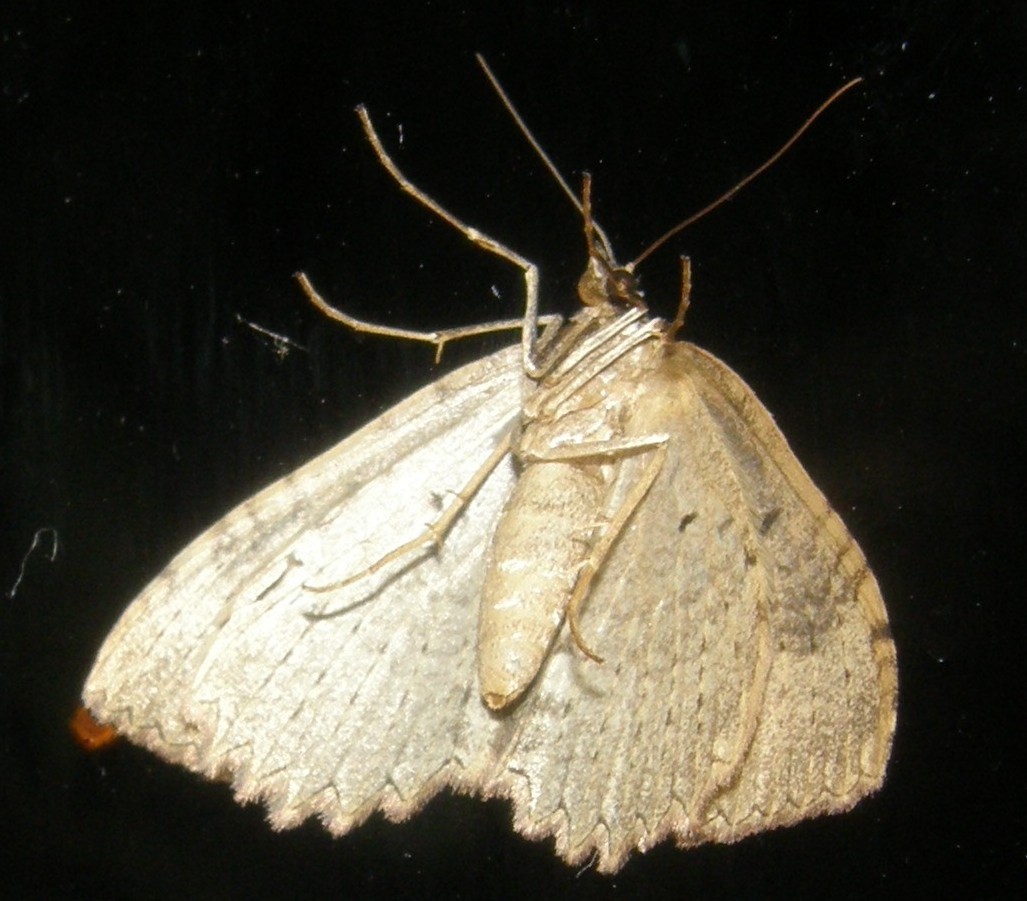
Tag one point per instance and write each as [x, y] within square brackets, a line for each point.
[603, 283]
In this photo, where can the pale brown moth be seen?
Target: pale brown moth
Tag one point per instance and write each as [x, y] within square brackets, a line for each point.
[635, 616]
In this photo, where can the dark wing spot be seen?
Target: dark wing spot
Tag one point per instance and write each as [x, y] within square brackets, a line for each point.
[769, 518]
[686, 520]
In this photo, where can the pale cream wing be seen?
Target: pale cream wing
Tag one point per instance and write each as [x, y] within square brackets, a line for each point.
[749, 678]
[215, 666]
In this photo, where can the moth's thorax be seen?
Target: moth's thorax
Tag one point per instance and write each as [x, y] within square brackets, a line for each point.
[586, 391]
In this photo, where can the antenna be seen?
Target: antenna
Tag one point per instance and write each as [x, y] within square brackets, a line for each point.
[550, 165]
[727, 195]
[695, 217]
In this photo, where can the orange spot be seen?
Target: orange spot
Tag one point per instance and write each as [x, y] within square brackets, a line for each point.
[90, 734]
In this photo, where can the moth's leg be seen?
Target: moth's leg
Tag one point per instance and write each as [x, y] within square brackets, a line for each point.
[438, 338]
[657, 444]
[587, 360]
[554, 343]
[434, 533]
[551, 323]
[529, 324]
[723, 771]
[574, 352]
[591, 450]
[601, 549]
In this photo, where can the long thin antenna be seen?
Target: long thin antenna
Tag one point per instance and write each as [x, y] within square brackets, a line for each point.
[549, 164]
[727, 195]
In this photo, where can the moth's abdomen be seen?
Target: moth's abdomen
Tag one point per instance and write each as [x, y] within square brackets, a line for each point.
[540, 542]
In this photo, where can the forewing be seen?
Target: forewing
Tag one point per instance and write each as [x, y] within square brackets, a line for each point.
[748, 679]
[215, 666]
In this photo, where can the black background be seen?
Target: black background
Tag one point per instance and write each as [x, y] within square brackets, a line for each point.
[165, 169]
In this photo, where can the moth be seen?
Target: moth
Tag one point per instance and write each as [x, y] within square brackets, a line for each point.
[585, 573]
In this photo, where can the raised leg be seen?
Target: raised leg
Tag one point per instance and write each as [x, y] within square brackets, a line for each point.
[528, 324]
[438, 338]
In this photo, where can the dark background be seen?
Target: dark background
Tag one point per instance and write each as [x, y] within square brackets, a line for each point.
[167, 167]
